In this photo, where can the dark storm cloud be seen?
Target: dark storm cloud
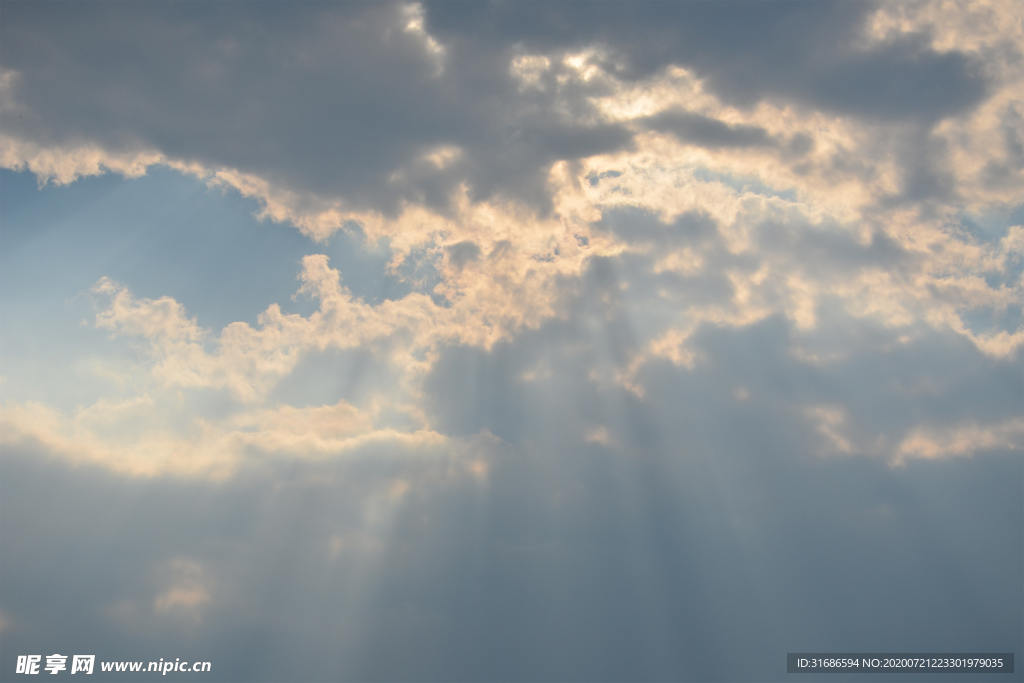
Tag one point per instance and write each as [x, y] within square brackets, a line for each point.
[323, 98]
[462, 253]
[708, 132]
[749, 50]
[342, 100]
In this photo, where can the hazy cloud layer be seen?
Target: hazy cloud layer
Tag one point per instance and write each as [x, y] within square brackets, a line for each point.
[511, 341]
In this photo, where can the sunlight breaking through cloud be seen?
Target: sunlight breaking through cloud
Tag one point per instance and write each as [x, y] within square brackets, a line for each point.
[511, 341]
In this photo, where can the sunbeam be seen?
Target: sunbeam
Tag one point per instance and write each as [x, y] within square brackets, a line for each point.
[511, 341]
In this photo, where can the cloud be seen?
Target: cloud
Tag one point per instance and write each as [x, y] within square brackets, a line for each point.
[964, 439]
[614, 327]
[803, 52]
[353, 150]
[655, 276]
[616, 551]
[705, 131]
[332, 57]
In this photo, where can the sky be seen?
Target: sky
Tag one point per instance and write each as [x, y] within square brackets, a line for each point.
[522, 341]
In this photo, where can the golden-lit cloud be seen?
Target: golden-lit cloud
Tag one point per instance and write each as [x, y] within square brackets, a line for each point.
[806, 210]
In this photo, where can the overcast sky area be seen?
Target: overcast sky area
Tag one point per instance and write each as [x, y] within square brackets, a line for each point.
[529, 341]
